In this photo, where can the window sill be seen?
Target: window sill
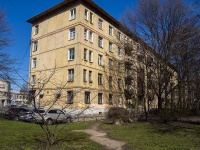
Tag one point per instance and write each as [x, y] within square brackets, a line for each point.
[70, 59]
[72, 19]
[71, 39]
[70, 81]
[100, 103]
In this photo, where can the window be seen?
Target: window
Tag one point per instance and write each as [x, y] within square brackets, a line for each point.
[119, 83]
[71, 33]
[100, 24]
[87, 97]
[110, 99]
[71, 75]
[36, 29]
[85, 34]
[90, 76]
[72, 14]
[91, 36]
[34, 62]
[90, 56]
[118, 35]
[91, 17]
[84, 75]
[110, 63]
[119, 67]
[110, 81]
[85, 54]
[100, 79]
[119, 51]
[100, 42]
[71, 54]
[70, 97]
[110, 30]
[100, 98]
[86, 14]
[100, 60]
[110, 47]
[35, 46]
[119, 99]
[33, 80]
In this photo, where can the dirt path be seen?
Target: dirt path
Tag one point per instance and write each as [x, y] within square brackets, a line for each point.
[102, 138]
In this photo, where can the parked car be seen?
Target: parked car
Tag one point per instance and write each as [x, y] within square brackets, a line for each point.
[26, 115]
[13, 113]
[51, 116]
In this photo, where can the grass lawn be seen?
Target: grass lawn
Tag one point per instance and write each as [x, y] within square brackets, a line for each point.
[24, 136]
[143, 136]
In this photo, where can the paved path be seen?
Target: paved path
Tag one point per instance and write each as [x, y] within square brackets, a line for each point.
[102, 138]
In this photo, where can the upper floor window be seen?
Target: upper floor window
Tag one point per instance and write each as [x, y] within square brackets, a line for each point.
[119, 83]
[85, 54]
[100, 24]
[118, 35]
[87, 97]
[70, 97]
[110, 63]
[33, 79]
[91, 36]
[90, 56]
[91, 17]
[35, 46]
[90, 76]
[71, 33]
[36, 29]
[85, 34]
[110, 30]
[100, 79]
[86, 14]
[71, 75]
[71, 54]
[84, 75]
[100, 42]
[110, 99]
[110, 47]
[119, 67]
[119, 51]
[72, 14]
[100, 98]
[110, 81]
[34, 62]
[100, 60]
[119, 99]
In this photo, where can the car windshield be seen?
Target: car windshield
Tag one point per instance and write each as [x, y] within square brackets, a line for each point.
[39, 111]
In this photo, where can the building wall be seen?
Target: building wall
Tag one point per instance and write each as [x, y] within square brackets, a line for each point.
[52, 59]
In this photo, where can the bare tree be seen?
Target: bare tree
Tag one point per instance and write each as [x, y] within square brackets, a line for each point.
[166, 26]
[5, 60]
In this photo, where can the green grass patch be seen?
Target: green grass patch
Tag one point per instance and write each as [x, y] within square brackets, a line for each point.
[27, 136]
[142, 136]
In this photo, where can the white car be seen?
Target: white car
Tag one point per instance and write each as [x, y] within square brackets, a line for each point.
[51, 116]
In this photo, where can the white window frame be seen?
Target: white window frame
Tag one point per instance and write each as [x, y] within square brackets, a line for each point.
[84, 75]
[110, 30]
[73, 14]
[34, 62]
[72, 33]
[86, 14]
[33, 79]
[85, 54]
[36, 29]
[100, 41]
[91, 36]
[70, 97]
[100, 79]
[71, 54]
[91, 17]
[100, 98]
[119, 35]
[110, 47]
[35, 46]
[70, 75]
[85, 34]
[100, 24]
[87, 98]
[90, 56]
[100, 60]
[90, 76]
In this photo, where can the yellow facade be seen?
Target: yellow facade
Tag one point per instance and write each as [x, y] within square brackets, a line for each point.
[62, 31]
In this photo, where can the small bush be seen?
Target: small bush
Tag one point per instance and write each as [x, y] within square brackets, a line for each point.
[119, 114]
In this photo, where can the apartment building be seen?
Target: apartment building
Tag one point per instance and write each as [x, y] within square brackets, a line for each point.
[4, 93]
[76, 58]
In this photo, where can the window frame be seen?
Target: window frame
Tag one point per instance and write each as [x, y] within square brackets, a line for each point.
[35, 46]
[110, 63]
[73, 14]
[110, 30]
[100, 24]
[70, 75]
[110, 47]
[87, 98]
[86, 14]
[91, 36]
[90, 56]
[72, 33]
[100, 79]
[90, 76]
[100, 60]
[70, 97]
[85, 54]
[100, 98]
[33, 79]
[91, 17]
[100, 42]
[34, 62]
[85, 34]
[36, 29]
[71, 56]
[84, 75]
